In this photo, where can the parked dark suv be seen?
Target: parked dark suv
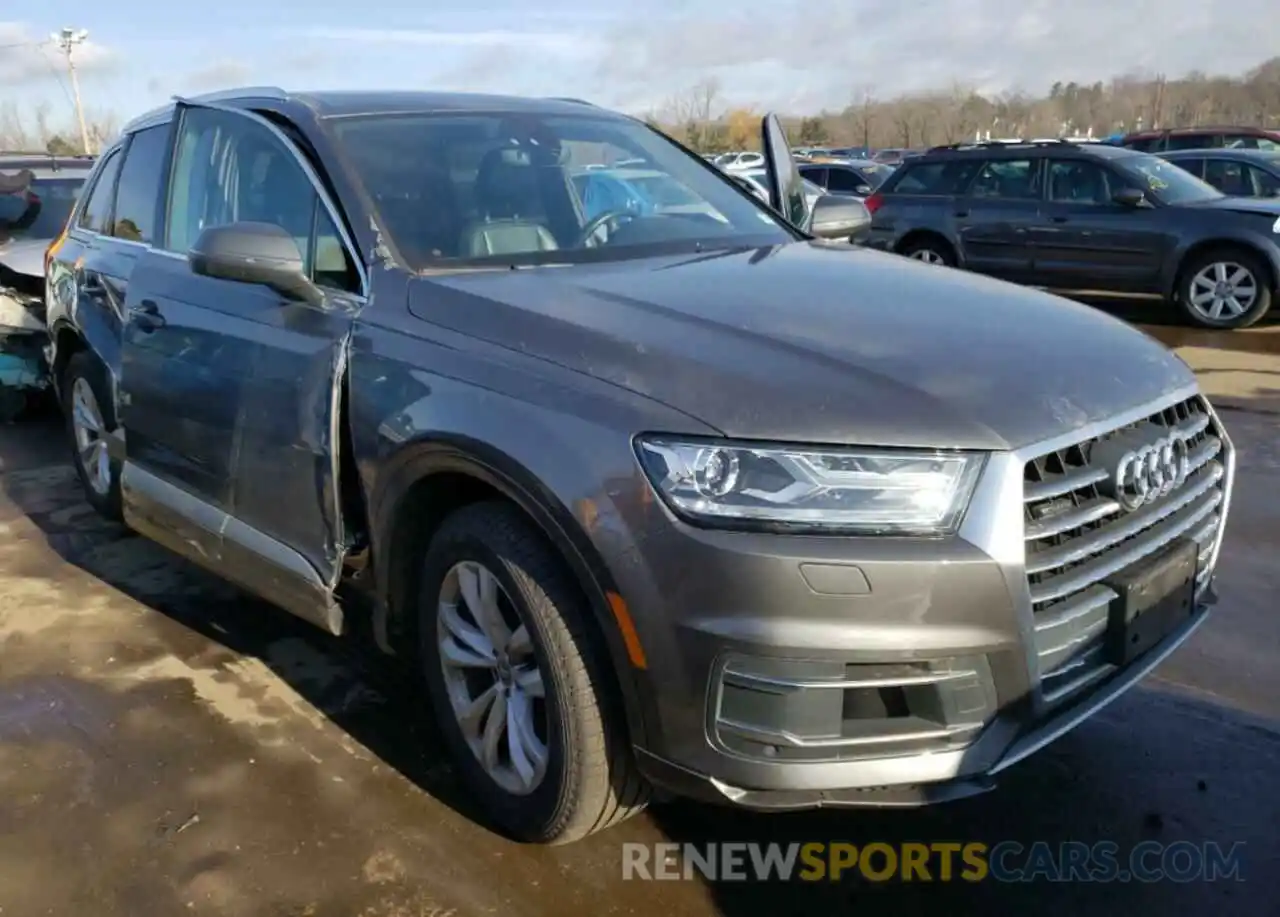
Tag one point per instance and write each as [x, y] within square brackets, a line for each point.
[682, 499]
[1085, 216]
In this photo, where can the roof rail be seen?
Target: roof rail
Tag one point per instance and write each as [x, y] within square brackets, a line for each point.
[999, 144]
[239, 92]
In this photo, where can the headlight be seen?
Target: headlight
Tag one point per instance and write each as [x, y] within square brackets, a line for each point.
[868, 491]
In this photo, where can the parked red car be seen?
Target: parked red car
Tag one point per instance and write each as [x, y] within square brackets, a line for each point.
[1200, 138]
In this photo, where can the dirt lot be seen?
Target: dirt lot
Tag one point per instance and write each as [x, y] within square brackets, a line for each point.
[168, 746]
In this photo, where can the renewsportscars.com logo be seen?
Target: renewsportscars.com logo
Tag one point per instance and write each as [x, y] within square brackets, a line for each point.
[975, 861]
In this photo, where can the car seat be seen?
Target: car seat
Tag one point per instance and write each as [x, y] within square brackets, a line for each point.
[507, 194]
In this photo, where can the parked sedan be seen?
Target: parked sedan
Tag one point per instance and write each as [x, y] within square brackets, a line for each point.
[856, 178]
[1237, 172]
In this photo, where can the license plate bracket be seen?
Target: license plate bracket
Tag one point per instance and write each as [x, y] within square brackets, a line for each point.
[1152, 598]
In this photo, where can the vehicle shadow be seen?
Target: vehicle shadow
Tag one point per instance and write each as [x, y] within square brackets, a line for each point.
[1164, 323]
[1154, 766]
[1157, 767]
[371, 697]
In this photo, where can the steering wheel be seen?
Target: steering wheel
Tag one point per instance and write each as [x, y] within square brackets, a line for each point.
[614, 219]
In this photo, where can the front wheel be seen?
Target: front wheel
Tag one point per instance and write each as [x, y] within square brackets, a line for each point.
[520, 687]
[1226, 288]
[91, 418]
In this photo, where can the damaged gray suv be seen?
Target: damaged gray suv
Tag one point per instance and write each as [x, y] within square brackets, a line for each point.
[681, 498]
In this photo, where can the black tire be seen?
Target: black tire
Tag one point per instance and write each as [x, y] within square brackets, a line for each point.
[85, 366]
[1260, 276]
[591, 781]
[938, 247]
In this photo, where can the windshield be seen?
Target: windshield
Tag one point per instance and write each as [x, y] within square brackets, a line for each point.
[40, 211]
[1166, 182]
[505, 187]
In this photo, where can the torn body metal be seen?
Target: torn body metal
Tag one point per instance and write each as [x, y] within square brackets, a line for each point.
[23, 372]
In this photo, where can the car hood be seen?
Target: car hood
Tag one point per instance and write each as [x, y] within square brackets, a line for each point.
[24, 256]
[820, 343]
[1261, 205]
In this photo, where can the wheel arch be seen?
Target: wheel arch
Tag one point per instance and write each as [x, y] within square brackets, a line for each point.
[431, 477]
[1203, 246]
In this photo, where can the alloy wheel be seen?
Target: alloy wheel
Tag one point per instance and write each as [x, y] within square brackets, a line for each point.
[90, 436]
[492, 677]
[928, 256]
[1222, 290]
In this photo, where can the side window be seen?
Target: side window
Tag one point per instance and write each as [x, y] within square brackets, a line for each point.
[1239, 142]
[933, 177]
[1194, 166]
[1271, 146]
[1006, 178]
[1078, 181]
[1229, 177]
[138, 195]
[95, 216]
[331, 265]
[1192, 142]
[1264, 183]
[844, 180]
[230, 169]
[817, 175]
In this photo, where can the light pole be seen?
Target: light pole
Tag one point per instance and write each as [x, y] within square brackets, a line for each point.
[66, 40]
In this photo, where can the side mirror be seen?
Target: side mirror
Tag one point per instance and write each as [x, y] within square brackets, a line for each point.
[864, 190]
[254, 253]
[1129, 197]
[838, 217]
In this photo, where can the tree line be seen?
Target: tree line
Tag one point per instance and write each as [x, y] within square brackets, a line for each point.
[699, 118]
[34, 131]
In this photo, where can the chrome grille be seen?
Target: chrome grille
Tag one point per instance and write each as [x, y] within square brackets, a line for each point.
[1077, 537]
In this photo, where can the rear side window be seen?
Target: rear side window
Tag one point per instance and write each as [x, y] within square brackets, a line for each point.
[1144, 144]
[817, 175]
[845, 180]
[138, 193]
[1007, 178]
[37, 209]
[1193, 141]
[932, 177]
[1229, 177]
[95, 216]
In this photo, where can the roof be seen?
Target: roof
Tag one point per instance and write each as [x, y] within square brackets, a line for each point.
[354, 102]
[1247, 130]
[1039, 148]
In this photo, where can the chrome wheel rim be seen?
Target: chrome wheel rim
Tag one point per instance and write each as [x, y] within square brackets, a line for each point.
[1223, 290]
[928, 256]
[491, 674]
[91, 437]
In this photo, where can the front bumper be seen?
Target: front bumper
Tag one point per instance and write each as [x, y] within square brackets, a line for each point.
[794, 672]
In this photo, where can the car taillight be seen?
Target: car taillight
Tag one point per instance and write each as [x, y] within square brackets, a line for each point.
[873, 203]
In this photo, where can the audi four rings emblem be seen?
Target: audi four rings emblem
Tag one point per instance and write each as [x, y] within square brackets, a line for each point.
[1153, 471]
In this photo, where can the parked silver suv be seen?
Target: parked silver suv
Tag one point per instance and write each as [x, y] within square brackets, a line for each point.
[689, 499]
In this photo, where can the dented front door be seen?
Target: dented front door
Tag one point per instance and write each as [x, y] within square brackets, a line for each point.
[269, 367]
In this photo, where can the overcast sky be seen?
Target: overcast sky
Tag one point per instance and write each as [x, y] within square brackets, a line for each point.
[792, 56]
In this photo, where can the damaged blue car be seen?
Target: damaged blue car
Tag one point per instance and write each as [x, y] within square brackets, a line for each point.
[37, 193]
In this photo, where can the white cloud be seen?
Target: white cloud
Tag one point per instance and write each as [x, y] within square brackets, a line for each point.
[480, 39]
[223, 74]
[28, 57]
[832, 46]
